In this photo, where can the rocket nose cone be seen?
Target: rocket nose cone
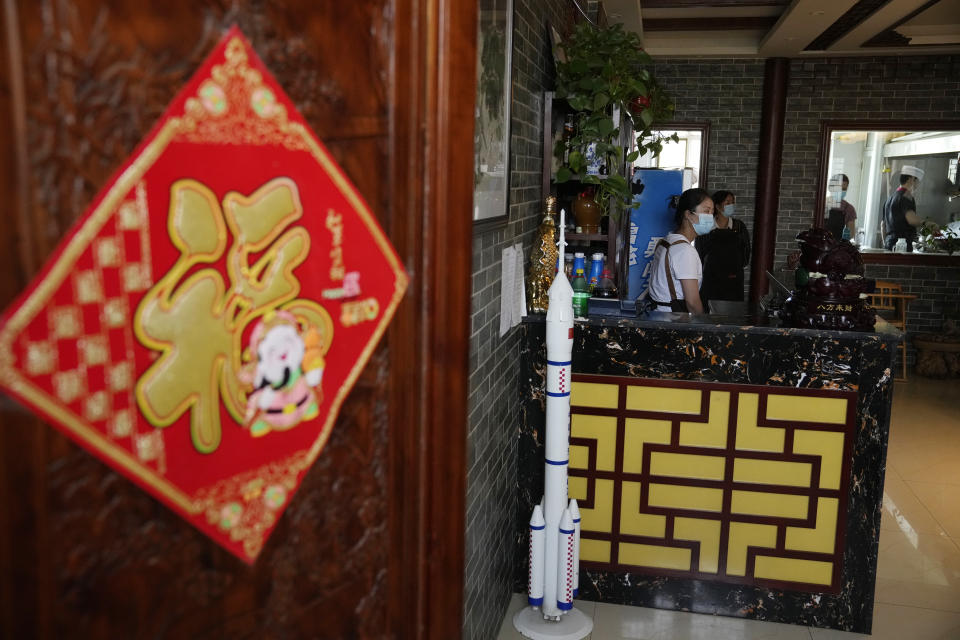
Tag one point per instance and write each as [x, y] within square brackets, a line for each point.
[574, 509]
[566, 521]
[536, 520]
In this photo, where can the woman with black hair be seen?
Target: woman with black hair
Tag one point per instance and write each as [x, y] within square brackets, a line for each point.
[676, 271]
[725, 252]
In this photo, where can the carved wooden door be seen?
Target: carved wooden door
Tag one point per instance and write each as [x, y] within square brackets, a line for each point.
[371, 545]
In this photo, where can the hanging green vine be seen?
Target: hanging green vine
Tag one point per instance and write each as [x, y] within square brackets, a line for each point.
[603, 73]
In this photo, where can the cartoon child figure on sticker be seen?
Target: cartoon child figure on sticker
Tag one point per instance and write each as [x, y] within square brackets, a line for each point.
[285, 374]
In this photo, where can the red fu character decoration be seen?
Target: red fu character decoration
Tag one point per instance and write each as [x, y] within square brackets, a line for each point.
[202, 324]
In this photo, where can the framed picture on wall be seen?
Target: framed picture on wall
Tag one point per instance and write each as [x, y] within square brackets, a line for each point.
[491, 140]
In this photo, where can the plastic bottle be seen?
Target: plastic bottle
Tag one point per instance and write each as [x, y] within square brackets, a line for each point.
[606, 288]
[579, 262]
[581, 294]
[581, 290]
[596, 269]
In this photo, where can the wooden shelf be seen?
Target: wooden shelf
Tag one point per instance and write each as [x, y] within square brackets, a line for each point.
[617, 237]
[585, 237]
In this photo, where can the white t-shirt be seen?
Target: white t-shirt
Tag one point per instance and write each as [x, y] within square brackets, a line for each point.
[684, 265]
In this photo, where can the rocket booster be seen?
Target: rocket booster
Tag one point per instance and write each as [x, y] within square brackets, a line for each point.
[534, 583]
[575, 515]
[565, 562]
[560, 559]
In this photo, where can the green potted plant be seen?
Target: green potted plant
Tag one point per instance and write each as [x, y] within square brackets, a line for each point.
[932, 238]
[603, 73]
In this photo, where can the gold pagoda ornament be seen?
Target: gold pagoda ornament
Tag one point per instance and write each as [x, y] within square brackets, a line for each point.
[543, 260]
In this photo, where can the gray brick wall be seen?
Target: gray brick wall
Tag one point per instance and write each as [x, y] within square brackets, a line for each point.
[727, 93]
[494, 361]
[881, 88]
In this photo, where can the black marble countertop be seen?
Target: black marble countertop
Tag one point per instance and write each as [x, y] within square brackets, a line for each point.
[758, 323]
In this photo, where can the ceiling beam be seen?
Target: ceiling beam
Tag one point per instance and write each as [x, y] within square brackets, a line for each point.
[711, 12]
[800, 24]
[677, 4]
[693, 44]
[708, 24]
[879, 21]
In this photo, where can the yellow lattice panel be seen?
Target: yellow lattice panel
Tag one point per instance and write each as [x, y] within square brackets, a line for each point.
[592, 394]
[603, 430]
[638, 432]
[743, 535]
[778, 505]
[649, 555]
[667, 399]
[829, 446]
[634, 523]
[712, 433]
[674, 496]
[600, 517]
[687, 465]
[707, 533]
[820, 539]
[577, 488]
[750, 436]
[807, 409]
[713, 450]
[793, 570]
[594, 550]
[793, 474]
[579, 457]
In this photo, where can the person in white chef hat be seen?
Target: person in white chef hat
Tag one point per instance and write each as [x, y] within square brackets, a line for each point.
[900, 211]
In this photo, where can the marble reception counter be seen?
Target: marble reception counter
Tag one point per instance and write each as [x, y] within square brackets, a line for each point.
[722, 468]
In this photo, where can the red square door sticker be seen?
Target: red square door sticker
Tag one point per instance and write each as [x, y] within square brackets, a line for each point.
[202, 324]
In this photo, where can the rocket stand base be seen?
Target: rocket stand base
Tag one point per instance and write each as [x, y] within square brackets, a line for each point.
[573, 625]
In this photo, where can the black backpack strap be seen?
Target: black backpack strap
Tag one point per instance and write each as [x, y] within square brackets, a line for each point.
[666, 260]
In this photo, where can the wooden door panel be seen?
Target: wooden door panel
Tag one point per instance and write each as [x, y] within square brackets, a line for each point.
[83, 551]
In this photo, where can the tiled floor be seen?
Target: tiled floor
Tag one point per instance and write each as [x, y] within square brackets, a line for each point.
[918, 577]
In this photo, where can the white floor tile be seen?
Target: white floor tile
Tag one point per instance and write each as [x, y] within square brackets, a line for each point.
[638, 623]
[507, 632]
[942, 501]
[894, 622]
[921, 558]
[903, 511]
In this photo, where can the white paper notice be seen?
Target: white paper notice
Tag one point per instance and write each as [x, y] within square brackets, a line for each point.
[508, 265]
[519, 289]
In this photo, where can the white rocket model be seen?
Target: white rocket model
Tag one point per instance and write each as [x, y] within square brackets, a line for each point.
[554, 559]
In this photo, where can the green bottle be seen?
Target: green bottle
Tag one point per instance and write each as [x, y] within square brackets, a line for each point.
[581, 293]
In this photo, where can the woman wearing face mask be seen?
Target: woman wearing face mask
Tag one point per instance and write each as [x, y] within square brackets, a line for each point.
[676, 271]
[725, 252]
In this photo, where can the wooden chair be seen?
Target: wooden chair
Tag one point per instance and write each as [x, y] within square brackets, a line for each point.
[891, 305]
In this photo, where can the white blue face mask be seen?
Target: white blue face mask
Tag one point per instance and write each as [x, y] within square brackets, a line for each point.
[843, 194]
[728, 210]
[704, 225]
